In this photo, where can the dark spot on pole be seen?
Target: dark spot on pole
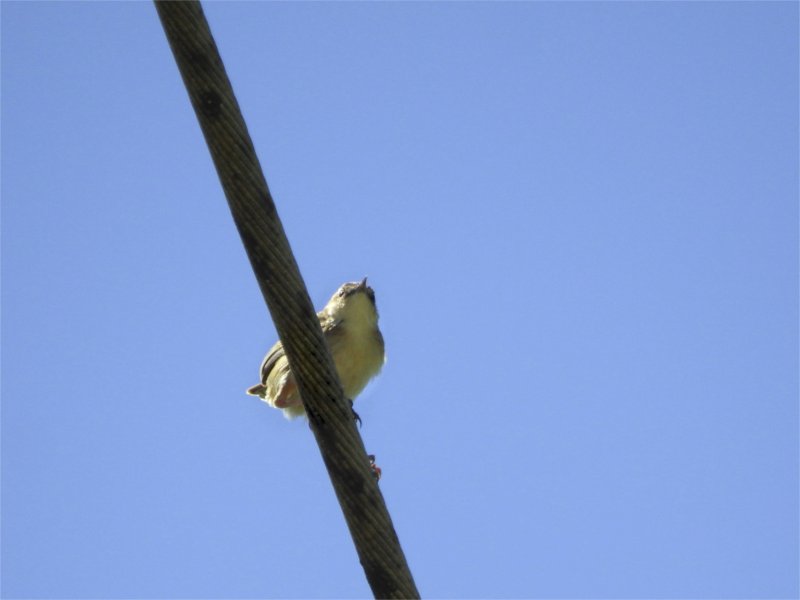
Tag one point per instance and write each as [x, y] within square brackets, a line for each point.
[314, 417]
[199, 60]
[210, 103]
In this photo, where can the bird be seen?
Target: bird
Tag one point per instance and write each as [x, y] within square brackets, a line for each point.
[349, 324]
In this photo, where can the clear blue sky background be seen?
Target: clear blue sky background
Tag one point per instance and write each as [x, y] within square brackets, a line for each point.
[581, 222]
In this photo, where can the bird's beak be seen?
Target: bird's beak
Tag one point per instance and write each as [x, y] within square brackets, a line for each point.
[363, 284]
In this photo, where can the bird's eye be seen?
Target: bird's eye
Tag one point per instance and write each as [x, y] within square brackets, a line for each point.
[341, 292]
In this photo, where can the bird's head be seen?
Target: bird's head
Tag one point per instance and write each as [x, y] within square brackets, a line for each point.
[354, 302]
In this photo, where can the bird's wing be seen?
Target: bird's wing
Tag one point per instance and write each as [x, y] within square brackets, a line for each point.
[273, 356]
[329, 326]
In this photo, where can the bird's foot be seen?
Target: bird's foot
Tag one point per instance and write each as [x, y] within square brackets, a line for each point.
[376, 470]
[356, 418]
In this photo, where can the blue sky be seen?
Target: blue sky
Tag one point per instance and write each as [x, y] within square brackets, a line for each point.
[581, 223]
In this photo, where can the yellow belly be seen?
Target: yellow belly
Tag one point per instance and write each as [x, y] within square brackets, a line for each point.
[358, 359]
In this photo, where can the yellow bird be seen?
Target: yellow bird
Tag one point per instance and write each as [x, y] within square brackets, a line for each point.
[350, 325]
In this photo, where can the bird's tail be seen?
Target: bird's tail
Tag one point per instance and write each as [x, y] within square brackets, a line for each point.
[259, 390]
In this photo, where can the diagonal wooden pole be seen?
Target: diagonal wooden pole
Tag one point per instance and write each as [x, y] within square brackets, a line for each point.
[278, 276]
